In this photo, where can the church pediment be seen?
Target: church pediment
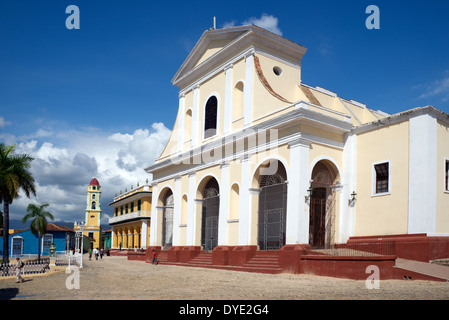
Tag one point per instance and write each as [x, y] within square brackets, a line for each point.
[211, 42]
[216, 46]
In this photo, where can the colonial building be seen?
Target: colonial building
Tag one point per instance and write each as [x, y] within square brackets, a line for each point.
[259, 159]
[91, 227]
[25, 243]
[131, 221]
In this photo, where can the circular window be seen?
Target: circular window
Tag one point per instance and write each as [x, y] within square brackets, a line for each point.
[277, 71]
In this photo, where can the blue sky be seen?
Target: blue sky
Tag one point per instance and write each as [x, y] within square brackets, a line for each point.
[86, 103]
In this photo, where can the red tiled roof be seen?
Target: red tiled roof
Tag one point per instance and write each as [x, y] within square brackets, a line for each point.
[94, 182]
[55, 227]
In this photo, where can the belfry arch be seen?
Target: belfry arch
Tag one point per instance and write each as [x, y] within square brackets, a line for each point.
[322, 208]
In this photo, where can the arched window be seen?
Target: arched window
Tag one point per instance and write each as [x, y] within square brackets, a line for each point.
[93, 205]
[210, 117]
[184, 209]
[234, 203]
[238, 101]
[188, 125]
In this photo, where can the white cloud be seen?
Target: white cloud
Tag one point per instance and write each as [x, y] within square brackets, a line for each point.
[229, 24]
[66, 161]
[436, 88]
[3, 122]
[266, 21]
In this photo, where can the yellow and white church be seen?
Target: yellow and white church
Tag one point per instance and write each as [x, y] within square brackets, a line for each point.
[259, 160]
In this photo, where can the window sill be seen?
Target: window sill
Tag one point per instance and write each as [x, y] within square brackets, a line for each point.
[381, 194]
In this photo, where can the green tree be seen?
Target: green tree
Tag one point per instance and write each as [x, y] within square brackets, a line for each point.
[14, 176]
[38, 216]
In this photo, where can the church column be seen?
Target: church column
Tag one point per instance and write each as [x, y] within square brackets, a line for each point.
[143, 238]
[224, 204]
[298, 184]
[176, 210]
[181, 121]
[346, 221]
[248, 93]
[154, 216]
[195, 112]
[228, 99]
[245, 203]
[190, 238]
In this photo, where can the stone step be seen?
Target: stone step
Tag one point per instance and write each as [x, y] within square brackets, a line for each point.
[263, 262]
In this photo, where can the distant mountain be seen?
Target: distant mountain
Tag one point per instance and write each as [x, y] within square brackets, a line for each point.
[18, 225]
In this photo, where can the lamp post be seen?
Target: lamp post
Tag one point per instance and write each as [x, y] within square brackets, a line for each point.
[352, 200]
[79, 235]
[309, 194]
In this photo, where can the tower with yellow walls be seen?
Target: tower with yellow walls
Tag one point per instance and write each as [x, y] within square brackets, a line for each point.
[92, 228]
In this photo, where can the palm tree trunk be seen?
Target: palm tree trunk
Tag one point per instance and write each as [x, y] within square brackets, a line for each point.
[39, 247]
[5, 230]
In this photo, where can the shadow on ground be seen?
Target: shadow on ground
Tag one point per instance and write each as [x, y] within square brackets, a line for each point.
[8, 293]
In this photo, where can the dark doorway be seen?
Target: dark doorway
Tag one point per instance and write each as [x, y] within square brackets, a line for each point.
[272, 211]
[317, 218]
[209, 215]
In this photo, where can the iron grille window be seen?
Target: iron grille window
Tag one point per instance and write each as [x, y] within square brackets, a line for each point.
[382, 177]
[210, 119]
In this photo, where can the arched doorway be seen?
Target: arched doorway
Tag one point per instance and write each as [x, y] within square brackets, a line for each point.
[272, 208]
[209, 215]
[167, 220]
[322, 204]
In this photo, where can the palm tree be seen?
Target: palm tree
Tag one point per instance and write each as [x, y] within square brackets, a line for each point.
[39, 223]
[14, 176]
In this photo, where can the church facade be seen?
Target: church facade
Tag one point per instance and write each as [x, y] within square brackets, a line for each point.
[257, 158]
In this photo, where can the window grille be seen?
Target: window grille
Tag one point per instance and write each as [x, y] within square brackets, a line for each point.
[382, 177]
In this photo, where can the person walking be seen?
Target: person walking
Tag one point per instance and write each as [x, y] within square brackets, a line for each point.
[101, 253]
[90, 253]
[154, 258]
[96, 253]
[18, 269]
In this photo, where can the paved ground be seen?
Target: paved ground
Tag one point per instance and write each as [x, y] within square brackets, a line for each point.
[118, 278]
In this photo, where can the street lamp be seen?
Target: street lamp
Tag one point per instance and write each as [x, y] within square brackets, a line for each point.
[309, 194]
[352, 200]
[79, 235]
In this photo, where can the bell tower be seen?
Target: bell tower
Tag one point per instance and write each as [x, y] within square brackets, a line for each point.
[93, 210]
[91, 228]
